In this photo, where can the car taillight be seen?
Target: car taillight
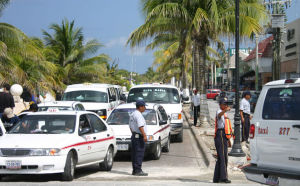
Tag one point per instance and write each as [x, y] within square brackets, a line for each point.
[252, 131]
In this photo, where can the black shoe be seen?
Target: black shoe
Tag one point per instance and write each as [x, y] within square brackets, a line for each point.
[140, 174]
[216, 181]
[225, 181]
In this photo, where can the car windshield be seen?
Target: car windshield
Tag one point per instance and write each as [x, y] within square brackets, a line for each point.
[86, 96]
[154, 95]
[121, 117]
[282, 104]
[45, 124]
[55, 107]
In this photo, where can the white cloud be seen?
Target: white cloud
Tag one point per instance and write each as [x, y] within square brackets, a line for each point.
[121, 41]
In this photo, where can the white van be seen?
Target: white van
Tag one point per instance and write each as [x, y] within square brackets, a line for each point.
[166, 95]
[275, 135]
[119, 93]
[98, 98]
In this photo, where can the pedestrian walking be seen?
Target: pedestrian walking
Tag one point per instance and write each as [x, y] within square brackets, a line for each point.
[196, 106]
[138, 129]
[6, 99]
[223, 132]
[245, 116]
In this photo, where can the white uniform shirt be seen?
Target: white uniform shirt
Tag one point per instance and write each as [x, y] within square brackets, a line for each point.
[196, 100]
[221, 120]
[245, 106]
[136, 121]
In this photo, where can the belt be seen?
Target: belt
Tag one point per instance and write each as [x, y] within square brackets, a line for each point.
[134, 133]
[245, 114]
[221, 129]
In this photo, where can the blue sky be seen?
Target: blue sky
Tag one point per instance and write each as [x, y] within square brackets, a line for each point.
[109, 21]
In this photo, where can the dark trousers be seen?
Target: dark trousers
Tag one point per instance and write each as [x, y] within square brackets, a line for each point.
[245, 127]
[137, 152]
[221, 144]
[196, 114]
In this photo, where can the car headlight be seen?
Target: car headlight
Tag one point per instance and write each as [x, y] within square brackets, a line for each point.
[176, 116]
[44, 152]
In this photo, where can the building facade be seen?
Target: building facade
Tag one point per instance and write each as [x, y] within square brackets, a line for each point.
[290, 51]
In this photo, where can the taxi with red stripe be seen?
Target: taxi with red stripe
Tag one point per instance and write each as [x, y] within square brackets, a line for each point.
[57, 142]
[157, 129]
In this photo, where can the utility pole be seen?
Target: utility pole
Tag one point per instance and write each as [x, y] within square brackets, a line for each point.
[277, 10]
[256, 64]
[236, 147]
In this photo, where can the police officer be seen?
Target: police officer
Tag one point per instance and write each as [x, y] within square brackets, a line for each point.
[245, 115]
[138, 128]
[196, 105]
[221, 143]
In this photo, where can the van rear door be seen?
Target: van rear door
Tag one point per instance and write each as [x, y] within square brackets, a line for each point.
[278, 133]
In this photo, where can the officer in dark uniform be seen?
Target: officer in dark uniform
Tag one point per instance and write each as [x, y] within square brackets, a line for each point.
[221, 143]
[138, 128]
[245, 116]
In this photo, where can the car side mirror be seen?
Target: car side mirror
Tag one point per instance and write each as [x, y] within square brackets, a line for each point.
[84, 131]
[163, 122]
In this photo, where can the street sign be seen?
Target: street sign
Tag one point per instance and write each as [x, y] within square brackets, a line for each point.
[277, 21]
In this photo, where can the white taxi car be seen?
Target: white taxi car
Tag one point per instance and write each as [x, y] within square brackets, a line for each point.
[61, 105]
[275, 135]
[57, 142]
[158, 128]
[166, 95]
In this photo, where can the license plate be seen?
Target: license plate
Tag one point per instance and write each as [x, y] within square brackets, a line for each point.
[13, 164]
[122, 147]
[272, 180]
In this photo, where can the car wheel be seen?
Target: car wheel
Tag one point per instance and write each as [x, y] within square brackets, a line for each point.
[108, 162]
[157, 151]
[166, 148]
[180, 136]
[69, 171]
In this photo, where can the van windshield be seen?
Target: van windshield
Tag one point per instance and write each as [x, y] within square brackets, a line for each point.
[154, 95]
[282, 104]
[86, 96]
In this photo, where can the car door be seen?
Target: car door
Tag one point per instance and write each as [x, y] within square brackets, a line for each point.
[86, 147]
[101, 136]
[163, 117]
[208, 95]
[278, 133]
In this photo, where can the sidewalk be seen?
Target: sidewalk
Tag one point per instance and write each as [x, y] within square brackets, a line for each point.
[205, 138]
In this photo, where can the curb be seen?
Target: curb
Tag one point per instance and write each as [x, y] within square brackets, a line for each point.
[205, 151]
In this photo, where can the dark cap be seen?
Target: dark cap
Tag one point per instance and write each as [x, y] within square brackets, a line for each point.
[140, 103]
[223, 101]
[246, 93]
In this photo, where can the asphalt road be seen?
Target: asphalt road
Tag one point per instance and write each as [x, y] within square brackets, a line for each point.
[183, 165]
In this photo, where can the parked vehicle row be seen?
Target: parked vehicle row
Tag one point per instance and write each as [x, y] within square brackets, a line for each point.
[64, 135]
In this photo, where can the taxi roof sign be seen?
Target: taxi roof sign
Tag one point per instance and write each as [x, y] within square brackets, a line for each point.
[51, 109]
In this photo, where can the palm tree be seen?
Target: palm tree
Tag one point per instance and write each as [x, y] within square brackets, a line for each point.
[200, 21]
[73, 55]
[23, 62]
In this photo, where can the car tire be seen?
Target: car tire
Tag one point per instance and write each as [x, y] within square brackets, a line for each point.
[69, 170]
[157, 152]
[108, 162]
[179, 137]
[166, 148]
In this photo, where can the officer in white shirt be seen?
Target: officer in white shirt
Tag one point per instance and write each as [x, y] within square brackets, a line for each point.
[138, 128]
[196, 105]
[245, 115]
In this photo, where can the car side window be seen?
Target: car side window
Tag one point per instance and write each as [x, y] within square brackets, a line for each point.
[97, 124]
[80, 107]
[208, 92]
[84, 123]
[163, 114]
